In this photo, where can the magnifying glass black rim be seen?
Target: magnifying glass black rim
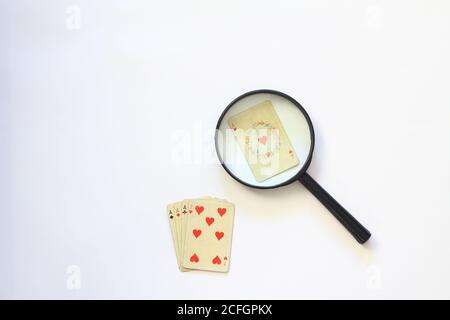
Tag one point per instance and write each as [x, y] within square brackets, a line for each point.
[308, 120]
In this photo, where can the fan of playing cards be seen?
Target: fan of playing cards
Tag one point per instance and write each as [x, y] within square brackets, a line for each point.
[201, 232]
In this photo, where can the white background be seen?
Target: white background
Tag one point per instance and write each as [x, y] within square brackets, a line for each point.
[89, 112]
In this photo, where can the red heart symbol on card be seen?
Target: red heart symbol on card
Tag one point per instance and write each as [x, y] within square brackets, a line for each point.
[216, 260]
[194, 258]
[190, 211]
[209, 220]
[263, 139]
[219, 235]
[197, 232]
[221, 211]
[199, 209]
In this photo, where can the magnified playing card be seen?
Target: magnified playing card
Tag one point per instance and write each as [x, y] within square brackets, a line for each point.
[263, 141]
[201, 232]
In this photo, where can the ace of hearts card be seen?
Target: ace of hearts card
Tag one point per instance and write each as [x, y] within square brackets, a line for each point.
[263, 140]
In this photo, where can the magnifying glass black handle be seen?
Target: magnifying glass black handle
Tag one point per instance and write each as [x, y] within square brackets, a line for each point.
[360, 233]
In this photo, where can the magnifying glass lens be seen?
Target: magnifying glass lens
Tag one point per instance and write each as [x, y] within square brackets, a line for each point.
[264, 140]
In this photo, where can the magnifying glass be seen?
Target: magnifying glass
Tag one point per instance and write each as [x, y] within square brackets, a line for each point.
[265, 127]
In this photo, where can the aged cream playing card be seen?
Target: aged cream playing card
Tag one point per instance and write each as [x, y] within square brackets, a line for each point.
[173, 230]
[208, 236]
[263, 140]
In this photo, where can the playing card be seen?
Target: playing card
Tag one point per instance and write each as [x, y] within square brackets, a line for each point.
[172, 228]
[177, 214]
[186, 211]
[208, 236]
[173, 231]
[263, 140]
[190, 209]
